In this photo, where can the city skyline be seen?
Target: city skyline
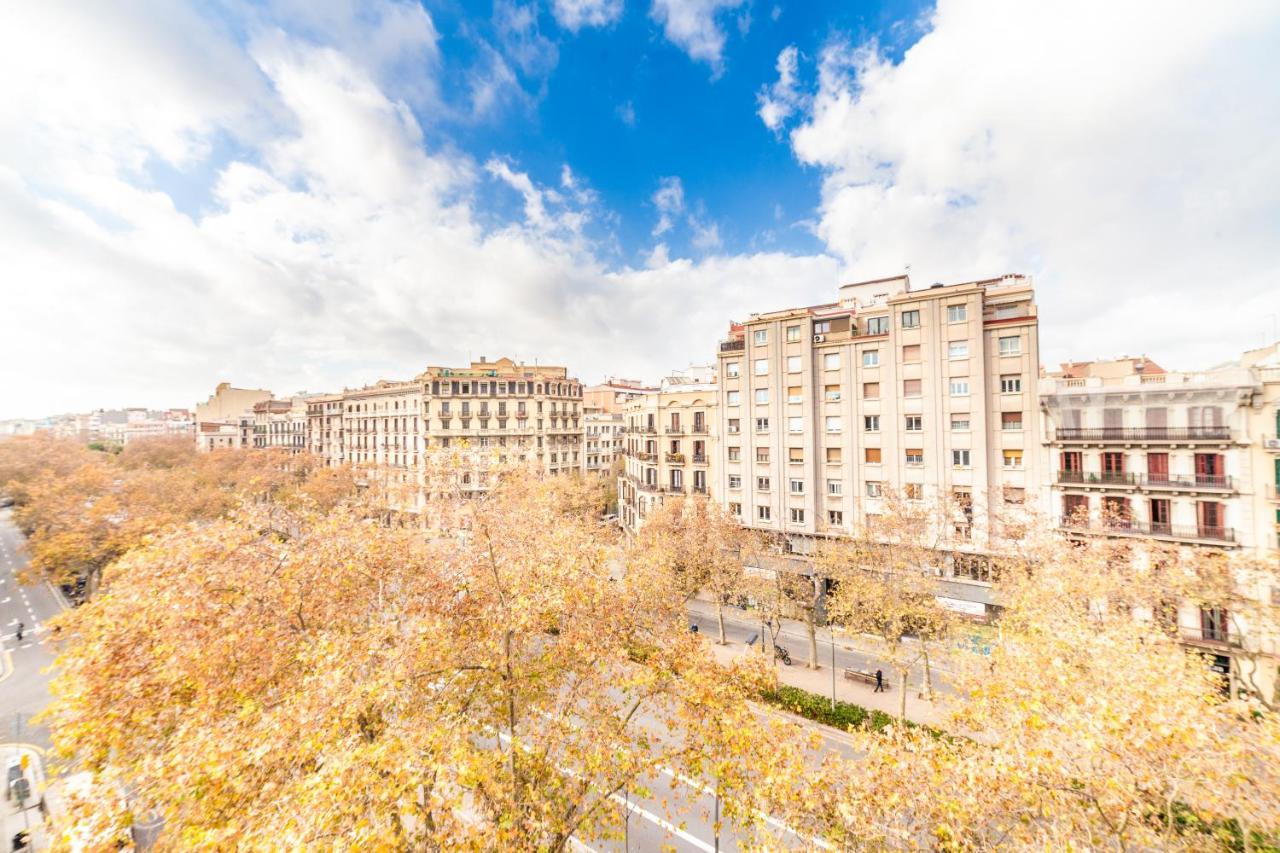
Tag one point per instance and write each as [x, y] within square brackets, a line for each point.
[307, 198]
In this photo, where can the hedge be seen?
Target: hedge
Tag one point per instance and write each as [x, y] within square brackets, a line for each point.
[845, 715]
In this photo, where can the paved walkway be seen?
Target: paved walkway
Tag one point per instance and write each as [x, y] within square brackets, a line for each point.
[26, 816]
[848, 653]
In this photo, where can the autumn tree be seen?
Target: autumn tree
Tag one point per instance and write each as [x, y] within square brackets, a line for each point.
[356, 683]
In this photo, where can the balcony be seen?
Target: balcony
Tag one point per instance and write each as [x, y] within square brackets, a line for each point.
[733, 344]
[645, 457]
[698, 429]
[675, 429]
[675, 458]
[1214, 638]
[1112, 435]
[1151, 482]
[699, 459]
[1153, 529]
[699, 490]
[1271, 442]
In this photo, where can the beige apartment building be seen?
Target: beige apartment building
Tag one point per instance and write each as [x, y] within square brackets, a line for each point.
[281, 424]
[927, 392]
[226, 419]
[1184, 458]
[603, 407]
[670, 445]
[502, 411]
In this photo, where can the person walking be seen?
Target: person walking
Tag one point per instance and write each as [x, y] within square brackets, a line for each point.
[20, 627]
[879, 682]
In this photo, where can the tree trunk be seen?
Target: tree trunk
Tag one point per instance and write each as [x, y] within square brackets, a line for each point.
[813, 645]
[928, 674]
[720, 619]
[902, 698]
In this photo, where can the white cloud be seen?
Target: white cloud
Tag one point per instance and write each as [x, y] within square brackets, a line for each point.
[626, 113]
[779, 101]
[669, 200]
[576, 14]
[517, 27]
[692, 25]
[706, 235]
[1125, 158]
[336, 247]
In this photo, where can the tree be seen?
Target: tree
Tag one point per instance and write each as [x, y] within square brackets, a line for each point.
[356, 683]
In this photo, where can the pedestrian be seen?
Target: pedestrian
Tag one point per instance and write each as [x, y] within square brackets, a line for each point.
[20, 627]
[879, 682]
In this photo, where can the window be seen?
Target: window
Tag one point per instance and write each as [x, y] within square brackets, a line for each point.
[762, 513]
[797, 516]
[911, 352]
[735, 426]
[1010, 384]
[762, 396]
[956, 314]
[958, 349]
[913, 491]
[911, 387]
[795, 454]
[835, 517]
[735, 454]
[960, 458]
[760, 337]
[732, 398]
[831, 393]
[793, 333]
[1012, 458]
[910, 319]
[833, 456]
[821, 327]
[871, 358]
[733, 369]
[736, 509]
[762, 424]
[762, 454]
[960, 423]
[761, 366]
[959, 387]
[871, 455]
[835, 487]
[877, 325]
[870, 423]
[871, 390]
[735, 481]
[793, 364]
[793, 394]
[1014, 495]
[914, 456]
[795, 424]
[914, 423]
[1011, 421]
[796, 487]
[762, 484]
[1011, 345]
[833, 423]
[874, 489]
[831, 361]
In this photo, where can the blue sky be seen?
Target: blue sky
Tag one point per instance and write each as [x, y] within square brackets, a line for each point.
[315, 194]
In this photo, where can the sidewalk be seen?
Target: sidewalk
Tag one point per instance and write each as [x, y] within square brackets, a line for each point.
[30, 818]
[819, 680]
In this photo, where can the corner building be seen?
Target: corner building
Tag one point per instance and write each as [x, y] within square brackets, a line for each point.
[930, 393]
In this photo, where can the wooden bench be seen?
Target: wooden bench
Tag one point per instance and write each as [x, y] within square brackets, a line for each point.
[863, 676]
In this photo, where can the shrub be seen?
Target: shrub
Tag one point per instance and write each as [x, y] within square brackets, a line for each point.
[844, 715]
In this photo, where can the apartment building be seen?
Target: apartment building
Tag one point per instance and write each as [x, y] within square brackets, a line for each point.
[603, 407]
[1188, 459]
[281, 424]
[670, 445]
[928, 392]
[324, 428]
[226, 419]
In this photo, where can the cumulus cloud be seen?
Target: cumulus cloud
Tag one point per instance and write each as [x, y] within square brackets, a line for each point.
[335, 245]
[692, 25]
[669, 200]
[1124, 158]
[780, 100]
[576, 14]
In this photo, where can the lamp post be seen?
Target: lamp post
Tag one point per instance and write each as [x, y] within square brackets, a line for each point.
[831, 638]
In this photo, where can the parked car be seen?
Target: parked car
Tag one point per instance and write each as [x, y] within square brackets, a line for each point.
[14, 779]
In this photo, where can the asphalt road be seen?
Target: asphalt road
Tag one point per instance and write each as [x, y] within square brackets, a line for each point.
[24, 685]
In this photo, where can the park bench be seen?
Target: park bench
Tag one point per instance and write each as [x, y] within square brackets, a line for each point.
[863, 676]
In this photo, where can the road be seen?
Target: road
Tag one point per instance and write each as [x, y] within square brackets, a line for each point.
[24, 686]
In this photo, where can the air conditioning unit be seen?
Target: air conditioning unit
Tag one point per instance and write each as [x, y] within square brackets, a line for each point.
[817, 339]
[1272, 443]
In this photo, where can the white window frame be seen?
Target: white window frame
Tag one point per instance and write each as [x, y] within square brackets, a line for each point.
[760, 367]
[961, 458]
[871, 358]
[760, 337]
[732, 369]
[957, 313]
[963, 350]
[959, 387]
[794, 364]
[870, 423]
[1014, 345]
[832, 423]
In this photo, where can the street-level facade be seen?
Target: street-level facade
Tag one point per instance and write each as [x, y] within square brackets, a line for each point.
[670, 444]
[926, 393]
